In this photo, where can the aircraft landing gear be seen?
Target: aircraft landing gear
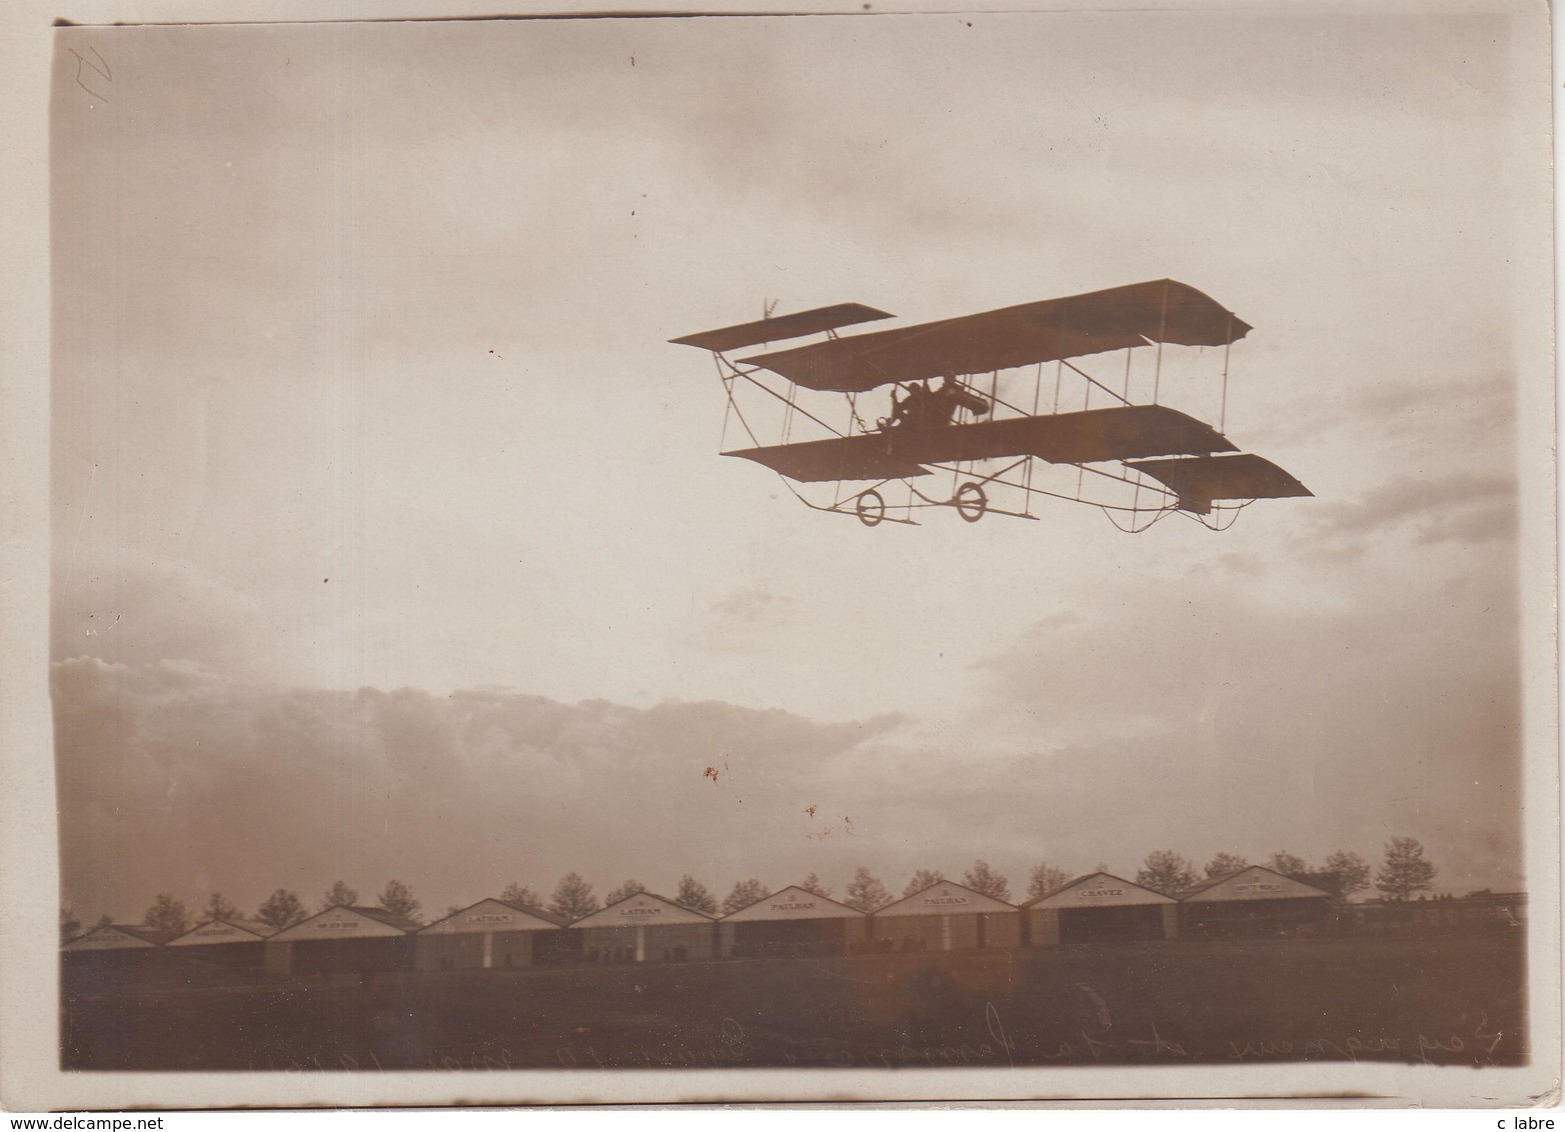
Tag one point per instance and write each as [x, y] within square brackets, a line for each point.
[870, 507]
[970, 501]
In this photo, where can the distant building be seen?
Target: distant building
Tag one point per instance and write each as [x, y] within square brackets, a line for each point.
[792, 921]
[1477, 911]
[218, 946]
[1252, 901]
[342, 940]
[645, 928]
[491, 934]
[946, 917]
[117, 937]
[1097, 908]
[115, 949]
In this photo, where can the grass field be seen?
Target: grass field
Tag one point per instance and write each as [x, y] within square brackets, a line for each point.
[1449, 1001]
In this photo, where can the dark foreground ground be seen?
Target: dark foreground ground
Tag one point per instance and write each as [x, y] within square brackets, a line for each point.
[1448, 1001]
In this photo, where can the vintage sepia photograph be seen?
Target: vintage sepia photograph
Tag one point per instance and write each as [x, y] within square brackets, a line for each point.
[930, 554]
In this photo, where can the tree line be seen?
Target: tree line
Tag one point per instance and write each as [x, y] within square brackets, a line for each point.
[1403, 872]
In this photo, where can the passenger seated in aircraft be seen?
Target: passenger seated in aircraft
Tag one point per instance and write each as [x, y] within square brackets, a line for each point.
[924, 407]
[941, 404]
[907, 412]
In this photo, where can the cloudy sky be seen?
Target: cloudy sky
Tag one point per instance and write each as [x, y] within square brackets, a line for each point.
[391, 537]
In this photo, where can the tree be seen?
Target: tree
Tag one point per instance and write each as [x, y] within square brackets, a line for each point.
[981, 878]
[1352, 872]
[629, 888]
[924, 878]
[695, 896]
[1044, 879]
[1225, 863]
[103, 921]
[397, 898]
[573, 898]
[218, 908]
[70, 926]
[1167, 872]
[865, 892]
[812, 883]
[745, 893]
[282, 909]
[514, 893]
[168, 915]
[339, 895]
[1405, 871]
[1288, 864]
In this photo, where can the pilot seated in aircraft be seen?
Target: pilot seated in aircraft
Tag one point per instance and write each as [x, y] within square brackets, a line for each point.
[924, 407]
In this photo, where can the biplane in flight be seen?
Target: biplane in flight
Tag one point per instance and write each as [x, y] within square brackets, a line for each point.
[973, 418]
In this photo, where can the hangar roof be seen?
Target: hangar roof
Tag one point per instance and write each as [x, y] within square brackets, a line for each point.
[223, 931]
[794, 903]
[1254, 883]
[642, 908]
[494, 915]
[112, 936]
[342, 922]
[944, 898]
[1098, 890]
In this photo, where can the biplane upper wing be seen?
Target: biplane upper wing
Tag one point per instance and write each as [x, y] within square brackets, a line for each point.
[780, 329]
[1094, 435]
[1200, 480]
[1158, 311]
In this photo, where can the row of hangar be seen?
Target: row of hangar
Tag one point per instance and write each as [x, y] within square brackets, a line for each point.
[793, 922]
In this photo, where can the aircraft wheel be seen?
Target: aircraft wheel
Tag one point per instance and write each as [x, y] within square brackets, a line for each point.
[971, 501]
[871, 508]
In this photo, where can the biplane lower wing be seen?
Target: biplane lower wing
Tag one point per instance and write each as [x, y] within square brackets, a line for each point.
[1091, 436]
[862, 457]
[1201, 480]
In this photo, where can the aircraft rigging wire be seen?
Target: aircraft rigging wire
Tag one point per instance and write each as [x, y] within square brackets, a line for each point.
[1133, 529]
[1059, 372]
[788, 412]
[739, 415]
[997, 478]
[1216, 523]
[1124, 479]
[1222, 412]
[1162, 332]
[1037, 391]
[1099, 384]
[749, 376]
[728, 388]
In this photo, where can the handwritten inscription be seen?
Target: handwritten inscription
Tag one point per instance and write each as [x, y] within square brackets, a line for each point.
[998, 1044]
[100, 69]
[989, 1041]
